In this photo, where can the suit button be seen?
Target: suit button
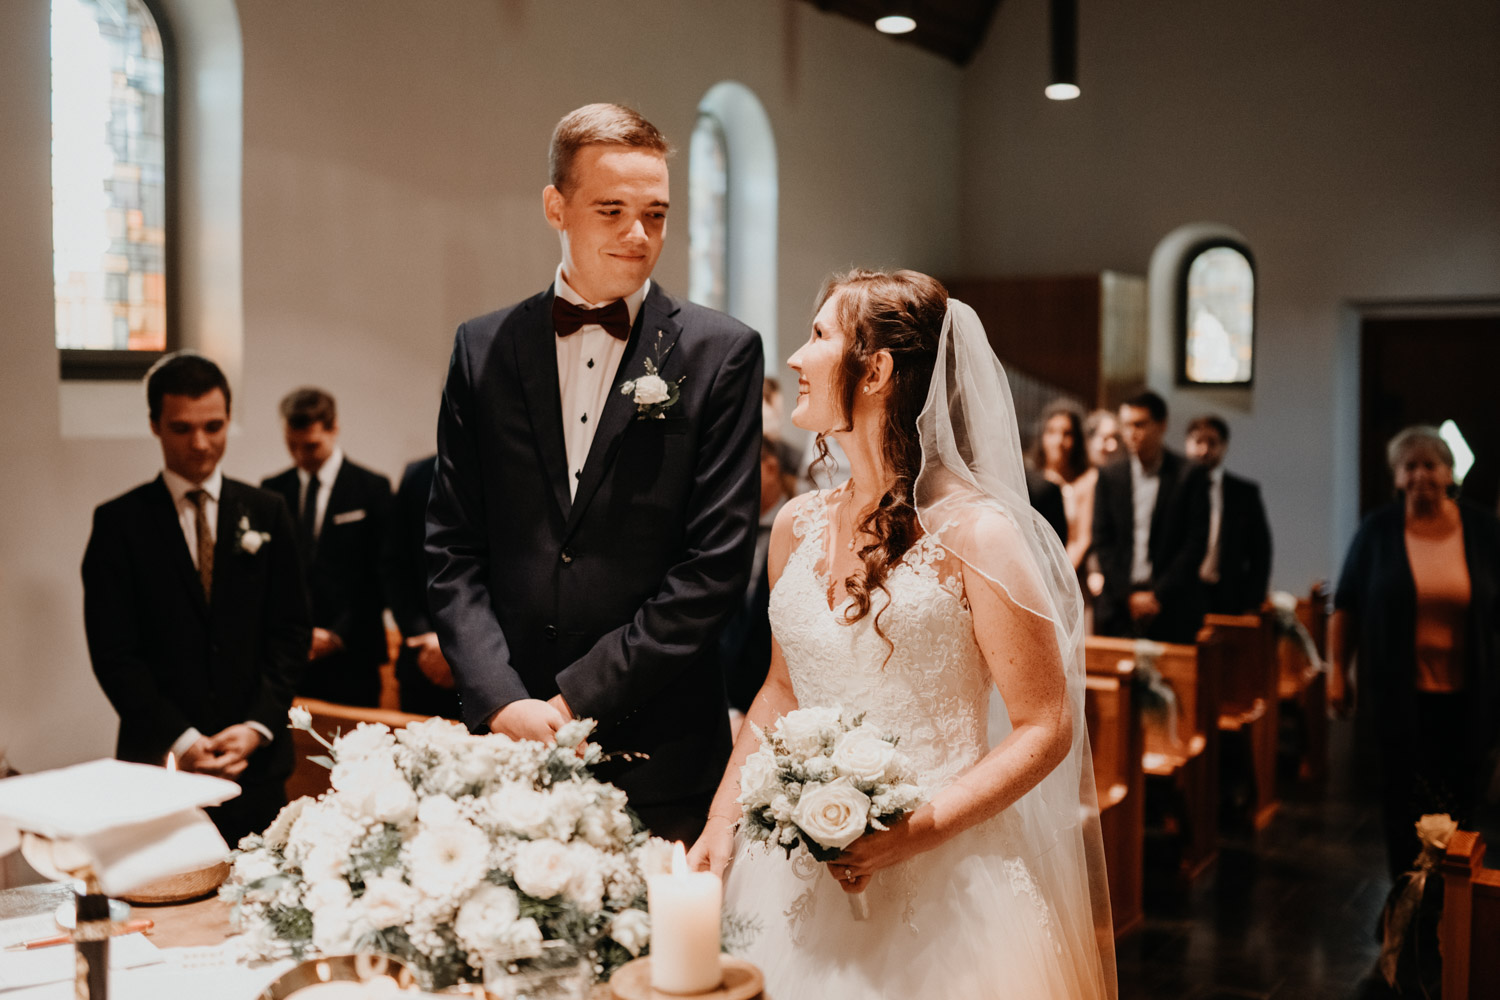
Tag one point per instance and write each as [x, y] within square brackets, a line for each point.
[550, 632]
[567, 555]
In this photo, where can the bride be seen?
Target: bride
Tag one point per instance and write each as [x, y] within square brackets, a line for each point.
[913, 593]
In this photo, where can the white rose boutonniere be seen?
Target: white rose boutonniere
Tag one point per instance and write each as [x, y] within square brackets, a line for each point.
[653, 395]
[248, 539]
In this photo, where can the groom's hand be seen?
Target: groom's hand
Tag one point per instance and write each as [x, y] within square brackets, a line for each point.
[528, 719]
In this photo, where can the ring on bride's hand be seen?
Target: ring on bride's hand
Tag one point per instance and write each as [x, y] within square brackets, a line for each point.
[848, 874]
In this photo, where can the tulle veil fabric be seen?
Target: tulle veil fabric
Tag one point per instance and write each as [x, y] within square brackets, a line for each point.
[972, 479]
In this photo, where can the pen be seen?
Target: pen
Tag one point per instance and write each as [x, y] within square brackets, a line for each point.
[129, 927]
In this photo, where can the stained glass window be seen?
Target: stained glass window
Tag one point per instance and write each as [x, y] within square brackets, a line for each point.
[109, 176]
[708, 214]
[1218, 316]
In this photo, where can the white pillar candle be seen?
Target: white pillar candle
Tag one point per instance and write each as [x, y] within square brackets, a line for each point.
[684, 929]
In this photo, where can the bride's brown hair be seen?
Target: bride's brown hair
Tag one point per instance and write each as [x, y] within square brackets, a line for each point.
[900, 312]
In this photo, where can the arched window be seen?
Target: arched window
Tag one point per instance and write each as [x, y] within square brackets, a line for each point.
[732, 210]
[111, 203]
[708, 214]
[1216, 314]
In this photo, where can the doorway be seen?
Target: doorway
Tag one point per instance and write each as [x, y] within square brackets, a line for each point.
[1426, 369]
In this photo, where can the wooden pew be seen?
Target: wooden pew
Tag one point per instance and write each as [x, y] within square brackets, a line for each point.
[328, 719]
[1183, 757]
[1249, 707]
[1116, 743]
[1470, 925]
[1303, 687]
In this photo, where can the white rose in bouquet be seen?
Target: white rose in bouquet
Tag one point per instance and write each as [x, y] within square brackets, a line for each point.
[759, 779]
[365, 740]
[387, 902]
[805, 729]
[520, 809]
[543, 868]
[281, 827]
[864, 755]
[632, 929]
[585, 889]
[439, 810]
[834, 814]
[486, 923]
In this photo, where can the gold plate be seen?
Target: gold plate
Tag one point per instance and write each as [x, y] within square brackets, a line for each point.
[742, 981]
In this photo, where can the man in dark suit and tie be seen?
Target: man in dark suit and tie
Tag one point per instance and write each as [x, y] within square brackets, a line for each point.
[593, 514]
[1150, 532]
[340, 509]
[422, 672]
[1236, 570]
[194, 609]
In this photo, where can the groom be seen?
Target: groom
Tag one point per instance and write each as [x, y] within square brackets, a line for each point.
[585, 545]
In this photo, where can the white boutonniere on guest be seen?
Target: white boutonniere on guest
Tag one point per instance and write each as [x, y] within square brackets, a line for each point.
[247, 539]
[653, 395]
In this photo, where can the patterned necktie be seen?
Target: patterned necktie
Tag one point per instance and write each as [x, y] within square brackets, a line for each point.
[568, 318]
[205, 542]
[308, 517]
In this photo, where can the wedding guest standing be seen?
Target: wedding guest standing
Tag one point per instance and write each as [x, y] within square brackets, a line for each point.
[593, 513]
[194, 607]
[422, 672]
[1414, 618]
[340, 509]
[1102, 432]
[1150, 532]
[1060, 453]
[1236, 570]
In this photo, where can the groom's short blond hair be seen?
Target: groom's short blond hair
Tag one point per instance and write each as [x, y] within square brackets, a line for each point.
[599, 125]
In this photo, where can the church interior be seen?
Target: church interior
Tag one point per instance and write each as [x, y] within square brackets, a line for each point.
[353, 181]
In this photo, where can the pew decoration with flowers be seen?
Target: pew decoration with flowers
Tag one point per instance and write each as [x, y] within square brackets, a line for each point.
[451, 852]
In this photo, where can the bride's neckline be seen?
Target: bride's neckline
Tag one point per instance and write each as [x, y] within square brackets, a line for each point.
[830, 548]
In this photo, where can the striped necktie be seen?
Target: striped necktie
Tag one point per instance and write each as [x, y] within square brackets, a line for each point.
[205, 542]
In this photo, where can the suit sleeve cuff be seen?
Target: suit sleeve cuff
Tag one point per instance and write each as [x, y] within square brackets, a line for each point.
[185, 742]
[269, 736]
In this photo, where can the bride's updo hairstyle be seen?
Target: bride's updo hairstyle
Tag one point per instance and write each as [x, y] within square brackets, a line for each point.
[900, 312]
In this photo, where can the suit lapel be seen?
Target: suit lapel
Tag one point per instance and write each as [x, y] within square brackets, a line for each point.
[654, 336]
[536, 361]
[173, 545]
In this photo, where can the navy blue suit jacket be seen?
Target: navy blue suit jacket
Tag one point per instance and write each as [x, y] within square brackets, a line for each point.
[615, 597]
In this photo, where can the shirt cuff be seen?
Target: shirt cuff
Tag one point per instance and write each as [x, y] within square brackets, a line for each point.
[269, 736]
[185, 742]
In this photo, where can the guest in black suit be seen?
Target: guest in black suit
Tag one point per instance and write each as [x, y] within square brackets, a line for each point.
[422, 673]
[1150, 532]
[745, 643]
[340, 509]
[1236, 570]
[194, 609]
[586, 544]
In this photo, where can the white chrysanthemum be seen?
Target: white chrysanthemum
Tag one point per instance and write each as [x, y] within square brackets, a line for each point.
[387, 902]
[448, 860]
[365, 740]
[542, 868]
[631, 929]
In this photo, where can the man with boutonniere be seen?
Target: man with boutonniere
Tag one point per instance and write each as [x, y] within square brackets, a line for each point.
[194, 608]
[593, 515]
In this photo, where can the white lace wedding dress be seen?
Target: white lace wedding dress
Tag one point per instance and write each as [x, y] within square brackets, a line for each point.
[966, 920]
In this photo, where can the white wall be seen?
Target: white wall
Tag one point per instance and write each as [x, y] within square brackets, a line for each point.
[394, 156]
[1356, 146]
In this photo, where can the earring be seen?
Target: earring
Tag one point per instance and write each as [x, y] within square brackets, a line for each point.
[867, 390]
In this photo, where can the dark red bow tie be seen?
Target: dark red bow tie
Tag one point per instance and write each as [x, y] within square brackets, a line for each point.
[568, 318]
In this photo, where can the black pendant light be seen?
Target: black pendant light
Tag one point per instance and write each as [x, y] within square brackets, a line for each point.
[1064, 85]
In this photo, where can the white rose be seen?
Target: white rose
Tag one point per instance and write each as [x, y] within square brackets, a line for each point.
[1434, 830]
[523, 940]
[805, 729]
[834, 815]
[519, 809]
[326, 894]
[387, 902]
[759, 779]
[650, 390]
[365, 740]
[251, 541]
[299, 718]
[439, 810]
[281, 827]
[631, 929]
[586, 887]
[484, 920]
[543, 868]
[395, 802]
[863, 755]
[337, 929]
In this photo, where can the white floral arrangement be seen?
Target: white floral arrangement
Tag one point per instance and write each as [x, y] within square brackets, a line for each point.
[449, 851]
[653, 395]
[822, 778]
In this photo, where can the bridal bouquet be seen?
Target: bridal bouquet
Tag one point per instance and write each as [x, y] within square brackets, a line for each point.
[822, 779]
[449, 851]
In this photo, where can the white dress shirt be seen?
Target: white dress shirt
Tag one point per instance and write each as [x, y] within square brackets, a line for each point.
[187, 519]
[587, 365]
[1209, 571]
[1145, 484]
[326, 475]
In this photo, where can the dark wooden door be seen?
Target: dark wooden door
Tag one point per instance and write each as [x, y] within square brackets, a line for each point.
[1426, 370]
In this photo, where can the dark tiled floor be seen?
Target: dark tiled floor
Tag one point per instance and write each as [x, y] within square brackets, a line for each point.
[1286, 914]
